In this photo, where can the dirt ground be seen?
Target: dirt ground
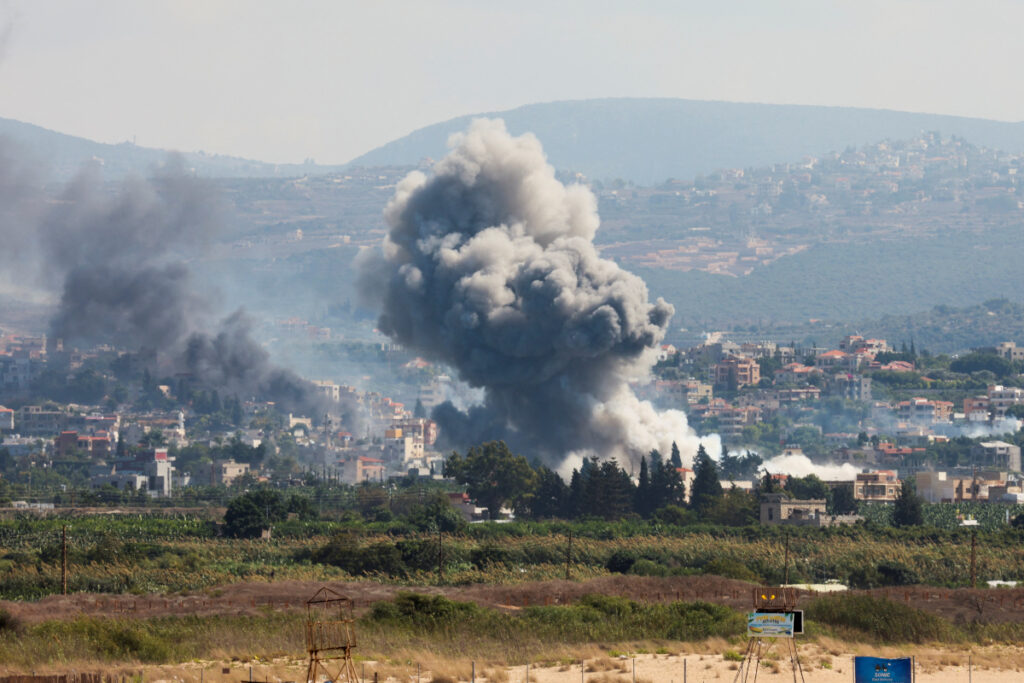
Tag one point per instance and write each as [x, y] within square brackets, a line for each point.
[820, 663]
[990, 605]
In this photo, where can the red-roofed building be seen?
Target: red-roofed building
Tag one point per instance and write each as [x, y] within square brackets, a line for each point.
[794, 373]
[360, 468]
[837, 360]
[894, 366]
[69, 443]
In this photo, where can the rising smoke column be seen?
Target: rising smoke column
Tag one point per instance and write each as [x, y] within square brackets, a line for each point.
[118, 258]
[489, 266]
[121, 258]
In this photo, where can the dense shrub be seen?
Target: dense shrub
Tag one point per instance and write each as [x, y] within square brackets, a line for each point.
[621, 561]
[881, 620]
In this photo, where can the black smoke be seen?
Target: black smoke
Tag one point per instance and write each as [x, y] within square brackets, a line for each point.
[118, 258]
[490, 267]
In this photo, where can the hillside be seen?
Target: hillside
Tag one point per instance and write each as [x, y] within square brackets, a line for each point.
[63, 155]
[650, 140]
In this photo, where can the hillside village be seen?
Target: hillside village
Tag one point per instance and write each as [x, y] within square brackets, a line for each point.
[862, 416]
[733, 220]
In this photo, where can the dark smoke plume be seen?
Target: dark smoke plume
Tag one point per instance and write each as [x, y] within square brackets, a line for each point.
[119, 260]
[490, 267]
[122, 258]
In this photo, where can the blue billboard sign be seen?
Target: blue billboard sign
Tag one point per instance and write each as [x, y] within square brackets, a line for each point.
[878, 670]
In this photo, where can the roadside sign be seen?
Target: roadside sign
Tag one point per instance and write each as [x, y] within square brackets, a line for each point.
[770, 624]
[878, 670]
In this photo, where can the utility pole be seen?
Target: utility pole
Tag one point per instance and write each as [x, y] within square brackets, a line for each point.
[974, 543]
[785, 580]
[440, 557]
[64, 559]
[568, 556]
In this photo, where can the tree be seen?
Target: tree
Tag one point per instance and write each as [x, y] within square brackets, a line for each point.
[842, 501]
[492, 474]
[250, 513]
[676, 459]
[740, 466]
[807, 488]
[419, 411]
[609, 492]
[735, 508]
[154, 438]
[551, 497]
[667, 486]
[706, 487]
[643, 490]
[908, 508]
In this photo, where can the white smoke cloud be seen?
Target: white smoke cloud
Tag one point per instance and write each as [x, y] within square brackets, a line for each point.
[802, 466]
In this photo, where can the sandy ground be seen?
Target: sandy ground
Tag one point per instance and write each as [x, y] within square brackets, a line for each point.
[819, 663]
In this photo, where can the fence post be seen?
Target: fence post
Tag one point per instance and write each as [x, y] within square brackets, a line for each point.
[473, 674]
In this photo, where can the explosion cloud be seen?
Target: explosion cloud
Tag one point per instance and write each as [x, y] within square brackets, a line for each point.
[490, 267]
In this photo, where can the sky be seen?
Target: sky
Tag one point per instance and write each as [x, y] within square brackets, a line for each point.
[287, 81]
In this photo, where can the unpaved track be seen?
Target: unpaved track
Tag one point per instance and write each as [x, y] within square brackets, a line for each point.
[1001, 605]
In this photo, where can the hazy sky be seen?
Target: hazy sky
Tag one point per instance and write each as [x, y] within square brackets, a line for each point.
[290, 79]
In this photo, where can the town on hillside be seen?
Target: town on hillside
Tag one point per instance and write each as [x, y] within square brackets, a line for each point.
[857, 420]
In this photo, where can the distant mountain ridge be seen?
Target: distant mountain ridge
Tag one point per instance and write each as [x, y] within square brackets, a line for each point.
[63, 155]
[648, 141]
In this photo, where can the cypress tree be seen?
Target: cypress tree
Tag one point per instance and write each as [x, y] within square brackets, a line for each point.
[707, 490]
[643, 490]
[677, 460]
[907, 510]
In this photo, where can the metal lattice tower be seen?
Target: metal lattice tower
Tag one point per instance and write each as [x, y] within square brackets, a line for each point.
[330, 637]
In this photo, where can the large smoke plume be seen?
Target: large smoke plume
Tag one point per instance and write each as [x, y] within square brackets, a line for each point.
[490, 267]
[118, 259]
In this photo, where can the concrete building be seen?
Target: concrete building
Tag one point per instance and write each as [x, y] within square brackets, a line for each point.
[69, 443]
[780, 509]
[224, 472]
[359, 468]
[35, 421]
[923, 411]
[1000, 398]
[151, 471]
[850, 386]
[980, 486]
[881, 486]
[997, 454]
[1010, 351]
[418, 427]
[329, 389]
[735, 370]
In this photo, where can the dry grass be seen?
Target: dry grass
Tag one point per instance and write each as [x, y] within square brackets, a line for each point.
[934, 664]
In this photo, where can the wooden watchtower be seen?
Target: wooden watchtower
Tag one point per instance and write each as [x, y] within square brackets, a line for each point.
[330, 637]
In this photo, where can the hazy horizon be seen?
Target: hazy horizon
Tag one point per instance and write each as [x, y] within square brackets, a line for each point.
[331, 81]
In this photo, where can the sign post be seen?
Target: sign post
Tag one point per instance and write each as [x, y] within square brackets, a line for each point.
[775, 618]
[879, 670]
